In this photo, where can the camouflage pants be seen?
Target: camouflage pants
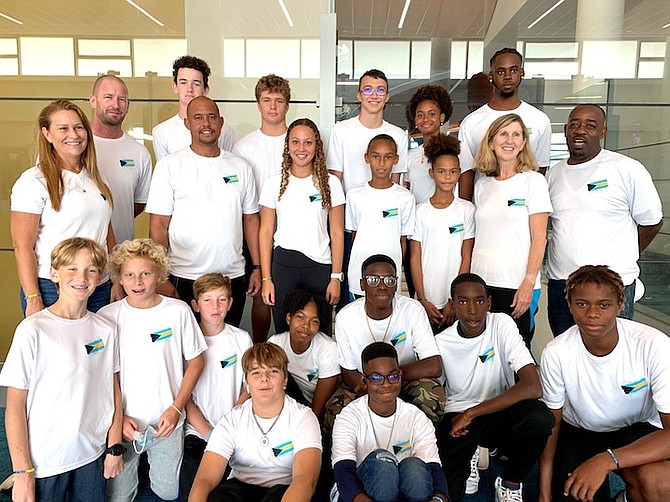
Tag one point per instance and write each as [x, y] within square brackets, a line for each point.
[425, 393]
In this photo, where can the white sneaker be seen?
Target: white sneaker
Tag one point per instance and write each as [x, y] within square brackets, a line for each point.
[507, 495]
[621, 497]
[472, 483]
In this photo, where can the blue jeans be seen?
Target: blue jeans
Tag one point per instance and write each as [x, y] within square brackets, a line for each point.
[385, 480]
[96, 301]
[560, 318]
[83, 484]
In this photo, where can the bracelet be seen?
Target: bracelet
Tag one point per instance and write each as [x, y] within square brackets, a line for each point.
[175, 409]
[423, 299]
[438, 498]
[24, 471]
[255, 267]
[33, 295]
[268, 278]
[614, 459]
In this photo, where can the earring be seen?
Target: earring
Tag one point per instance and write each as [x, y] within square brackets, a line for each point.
[441, 123]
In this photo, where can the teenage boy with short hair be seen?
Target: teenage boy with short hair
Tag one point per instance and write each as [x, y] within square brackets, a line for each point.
[482, 355]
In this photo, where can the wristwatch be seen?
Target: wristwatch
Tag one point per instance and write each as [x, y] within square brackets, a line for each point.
[116, 450]
[339, 277]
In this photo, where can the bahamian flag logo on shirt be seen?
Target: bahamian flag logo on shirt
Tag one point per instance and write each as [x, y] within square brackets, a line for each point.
[313, 375]
[229, 361]
[456, 229]
[231, 179]
[162, 335]
[596, 185]
[487, 355]
[632, 388]
[402, 447]
[516, 203]
[390, 213]
[283, 449]
[127, 162]
[94, 346]
[315, 198]
[399, 338]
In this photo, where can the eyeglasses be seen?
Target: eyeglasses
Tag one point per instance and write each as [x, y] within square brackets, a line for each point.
[374, 280]
[369, 91]
[378, 379]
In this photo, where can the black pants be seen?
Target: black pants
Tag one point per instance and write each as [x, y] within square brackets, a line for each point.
[576, 445]
[292, 270]
[194, 449]
[521, 430]
[233, 490]
[501, 299]
[185, 289]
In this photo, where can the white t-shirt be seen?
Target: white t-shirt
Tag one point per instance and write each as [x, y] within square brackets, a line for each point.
[597, 207]
[441, 233]
[263, 153]
[84, 212]
[408, 433]
[220, 382]
[379, 217]
[475, 126]
[237, 438]
[301, 202]
[502, 237]
[349, 141]
[153, 344]
[127, 166]
[67, 366]
[630, 384]
[320, 360]
[206, 198]
[172, 135]
[421, 184]
[480, 368]
[408, 331]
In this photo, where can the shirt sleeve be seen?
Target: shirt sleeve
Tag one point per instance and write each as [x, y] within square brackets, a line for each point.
[161, 192]
[419, 216]
[538, 195]
[408, 221]
[329, 363]
[144, 181]
[29, 195]
[543, 150]
[470, 225]
[345, 429]
[222, 439]
[645, 204]
[517, 354]
[250, 197]
[659, 371]
[269, 193]
[160, 148]
[403, 155]
[308, 430]
[348, 359]
[193, 342]
[336, 192]
[553, 386]
[18, 367]
[351, 217]
[422, 334]
[467, 156]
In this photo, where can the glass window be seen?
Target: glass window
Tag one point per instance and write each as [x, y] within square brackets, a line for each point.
[345, 58]
[93, 67]
[8, 47]
[420, 60]
[609, 58]
[280, 56]
[652, 49]
[9, 66]
[233, 57]
[47, 56]
[310, 58]
[104, 47]
[475, 57]
[459, 57]
[157, 55]
[392, 57]
[547, 50]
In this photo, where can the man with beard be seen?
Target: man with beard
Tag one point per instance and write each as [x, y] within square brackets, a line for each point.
[201, 200]
[606, 212]
[123, 161]
[505, 76]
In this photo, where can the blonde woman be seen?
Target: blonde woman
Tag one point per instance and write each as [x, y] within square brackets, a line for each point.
[512, 207]
[63, 196]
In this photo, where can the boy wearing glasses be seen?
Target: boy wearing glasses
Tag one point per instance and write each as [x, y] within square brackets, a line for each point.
[383, 316]
[482, 353]
[384, 448]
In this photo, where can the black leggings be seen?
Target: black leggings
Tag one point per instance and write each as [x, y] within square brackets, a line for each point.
[501, 299]
[293, 270]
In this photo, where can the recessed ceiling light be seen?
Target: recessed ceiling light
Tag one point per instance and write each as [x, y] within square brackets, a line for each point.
[10, 18]
[549, 10]
[286, 14]
[145, 13]
[404, 13]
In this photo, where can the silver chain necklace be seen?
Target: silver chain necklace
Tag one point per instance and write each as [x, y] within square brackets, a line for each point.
[372, 424]
[264, 438]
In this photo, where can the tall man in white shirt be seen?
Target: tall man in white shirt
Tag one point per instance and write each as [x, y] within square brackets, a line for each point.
[123, 161]
[190, 79]
[201, 200]
[606, 212]
[505, 75]
[263, 149]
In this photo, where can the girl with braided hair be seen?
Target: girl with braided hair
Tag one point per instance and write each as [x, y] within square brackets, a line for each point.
[306, 205]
